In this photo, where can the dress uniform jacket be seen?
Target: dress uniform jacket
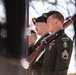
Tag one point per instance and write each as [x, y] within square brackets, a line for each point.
[37, 65]
[36, 68]
[57, 55]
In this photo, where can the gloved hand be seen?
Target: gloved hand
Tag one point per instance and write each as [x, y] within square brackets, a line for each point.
[25, 63]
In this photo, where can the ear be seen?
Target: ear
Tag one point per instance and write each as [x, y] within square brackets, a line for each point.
[48, 28]
[56, 21]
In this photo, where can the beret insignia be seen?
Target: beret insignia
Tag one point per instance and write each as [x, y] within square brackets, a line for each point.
[44, 15]
[34, 20]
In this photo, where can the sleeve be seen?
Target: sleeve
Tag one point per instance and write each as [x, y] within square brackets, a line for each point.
[64, 50]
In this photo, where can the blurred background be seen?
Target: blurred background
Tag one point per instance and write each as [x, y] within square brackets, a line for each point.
[36, 8]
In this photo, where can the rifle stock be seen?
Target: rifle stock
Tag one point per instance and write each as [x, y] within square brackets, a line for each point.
[67, 23]
[31, 58]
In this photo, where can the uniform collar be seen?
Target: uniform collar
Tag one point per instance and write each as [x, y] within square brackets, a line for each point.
[59, 32]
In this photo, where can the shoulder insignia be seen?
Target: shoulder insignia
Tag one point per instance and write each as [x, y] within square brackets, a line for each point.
[65, 55]
[65, 39]
[65, 45]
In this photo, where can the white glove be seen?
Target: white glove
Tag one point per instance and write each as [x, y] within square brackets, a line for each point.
[25, 63]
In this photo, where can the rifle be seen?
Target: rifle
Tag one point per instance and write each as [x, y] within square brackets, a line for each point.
[31, 58]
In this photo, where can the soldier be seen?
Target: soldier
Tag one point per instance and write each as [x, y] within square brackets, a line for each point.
[41, 28]
[32, 39]
[58, 52]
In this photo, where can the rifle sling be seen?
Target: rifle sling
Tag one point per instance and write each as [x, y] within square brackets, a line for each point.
[53, 37]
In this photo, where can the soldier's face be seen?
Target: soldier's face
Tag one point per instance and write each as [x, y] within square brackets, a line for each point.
[51, 23]
[32, 39]
[41, 27]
